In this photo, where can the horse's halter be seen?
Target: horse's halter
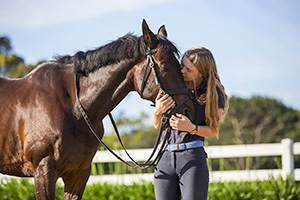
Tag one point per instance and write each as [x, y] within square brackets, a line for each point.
[151, 64]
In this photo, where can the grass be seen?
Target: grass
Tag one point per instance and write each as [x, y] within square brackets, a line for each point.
[272, 189]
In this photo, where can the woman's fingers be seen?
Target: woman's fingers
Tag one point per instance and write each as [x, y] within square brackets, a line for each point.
[180, 122]
[158, 97]
[181, 116]
[165, 102]
[169, 102]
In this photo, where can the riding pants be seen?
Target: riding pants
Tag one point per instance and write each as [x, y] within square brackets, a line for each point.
[182, 173]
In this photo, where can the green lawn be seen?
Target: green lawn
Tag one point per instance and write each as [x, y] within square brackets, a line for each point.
[273, 189]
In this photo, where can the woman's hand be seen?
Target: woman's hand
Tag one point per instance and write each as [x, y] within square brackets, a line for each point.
[163, 103]
[181, 122]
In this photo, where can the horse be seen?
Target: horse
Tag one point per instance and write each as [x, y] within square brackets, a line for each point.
[42, 131]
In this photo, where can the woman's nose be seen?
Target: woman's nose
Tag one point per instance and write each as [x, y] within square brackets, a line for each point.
[182, 70]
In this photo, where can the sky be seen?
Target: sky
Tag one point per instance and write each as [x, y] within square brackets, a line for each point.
[256, 43]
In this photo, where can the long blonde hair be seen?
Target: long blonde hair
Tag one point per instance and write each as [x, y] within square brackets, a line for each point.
[205, 63]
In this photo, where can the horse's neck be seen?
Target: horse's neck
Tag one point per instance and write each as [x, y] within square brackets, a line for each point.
[103, 90]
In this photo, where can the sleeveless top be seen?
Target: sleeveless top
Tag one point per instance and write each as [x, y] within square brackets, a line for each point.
[199, 100]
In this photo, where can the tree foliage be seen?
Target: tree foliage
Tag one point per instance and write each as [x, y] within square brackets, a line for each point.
[5, 45]
[12, 65]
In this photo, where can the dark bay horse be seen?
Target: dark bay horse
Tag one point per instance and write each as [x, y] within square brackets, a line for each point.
[43, 134]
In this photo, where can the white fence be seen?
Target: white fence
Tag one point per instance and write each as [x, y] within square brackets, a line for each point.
[286, 149]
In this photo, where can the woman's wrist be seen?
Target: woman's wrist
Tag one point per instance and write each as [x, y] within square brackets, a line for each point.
[157, 113]
[194, 130]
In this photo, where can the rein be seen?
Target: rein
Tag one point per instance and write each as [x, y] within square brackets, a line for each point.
[164, 119]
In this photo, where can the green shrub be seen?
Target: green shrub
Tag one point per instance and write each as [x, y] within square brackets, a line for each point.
[17, 189]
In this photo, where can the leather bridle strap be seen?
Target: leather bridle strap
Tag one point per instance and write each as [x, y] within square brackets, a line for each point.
[150, 63]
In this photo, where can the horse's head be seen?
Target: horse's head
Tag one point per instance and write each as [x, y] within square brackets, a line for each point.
[160, 71]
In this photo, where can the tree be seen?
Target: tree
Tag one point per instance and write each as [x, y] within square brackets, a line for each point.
[12, 65]
[22, 69]
[5, 45]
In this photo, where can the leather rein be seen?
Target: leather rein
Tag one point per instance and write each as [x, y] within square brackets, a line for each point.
[164, 120]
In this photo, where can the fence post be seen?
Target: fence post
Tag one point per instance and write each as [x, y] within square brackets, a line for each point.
[287, 158]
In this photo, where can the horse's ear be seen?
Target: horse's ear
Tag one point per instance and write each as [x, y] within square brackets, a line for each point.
[162, 31]
[148, 35]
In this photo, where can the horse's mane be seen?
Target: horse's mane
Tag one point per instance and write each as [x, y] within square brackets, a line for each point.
[126, 47]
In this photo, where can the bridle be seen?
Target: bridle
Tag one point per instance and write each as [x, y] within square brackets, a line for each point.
[151, 64]
[164, 120]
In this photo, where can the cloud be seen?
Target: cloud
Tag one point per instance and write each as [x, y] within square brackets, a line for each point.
[36, 13]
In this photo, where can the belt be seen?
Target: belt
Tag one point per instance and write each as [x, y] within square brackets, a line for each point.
[184, 146]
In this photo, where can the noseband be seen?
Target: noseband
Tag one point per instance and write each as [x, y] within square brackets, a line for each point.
[164, 119]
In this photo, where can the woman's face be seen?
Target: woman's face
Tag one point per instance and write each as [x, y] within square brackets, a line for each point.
[190, 72]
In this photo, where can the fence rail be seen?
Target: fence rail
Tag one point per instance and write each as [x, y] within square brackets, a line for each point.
[286, 149]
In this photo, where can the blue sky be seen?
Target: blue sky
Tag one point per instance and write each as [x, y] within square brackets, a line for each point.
[256, 43]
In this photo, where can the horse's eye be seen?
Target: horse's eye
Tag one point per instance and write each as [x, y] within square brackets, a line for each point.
[165, 68]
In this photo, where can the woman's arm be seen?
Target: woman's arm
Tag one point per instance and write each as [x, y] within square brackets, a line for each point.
[181, 122]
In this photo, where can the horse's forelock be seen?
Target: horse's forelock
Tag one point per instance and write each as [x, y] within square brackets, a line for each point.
[167, 49]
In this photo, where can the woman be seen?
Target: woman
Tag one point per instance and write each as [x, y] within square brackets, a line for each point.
[182, 169]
